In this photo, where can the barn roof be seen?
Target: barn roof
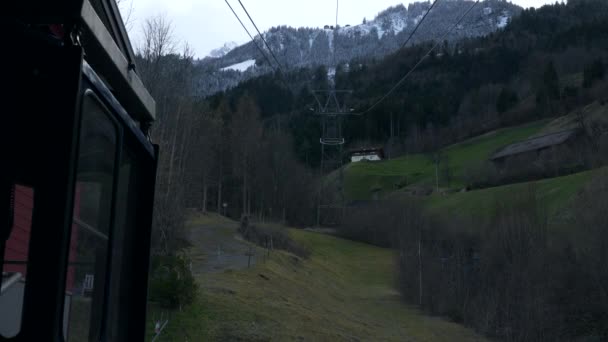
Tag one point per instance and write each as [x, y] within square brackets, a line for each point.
[535, 144]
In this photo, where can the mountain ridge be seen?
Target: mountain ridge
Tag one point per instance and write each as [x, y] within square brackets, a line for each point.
[328, 46]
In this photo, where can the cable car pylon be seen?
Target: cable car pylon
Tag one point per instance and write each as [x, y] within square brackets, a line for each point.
[331, 109]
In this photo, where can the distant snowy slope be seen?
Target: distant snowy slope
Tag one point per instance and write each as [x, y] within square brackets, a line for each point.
[241, 66]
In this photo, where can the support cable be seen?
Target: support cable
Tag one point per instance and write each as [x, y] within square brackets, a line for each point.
[250, 36]
[419, 23]
[437, 43]
[261, 36]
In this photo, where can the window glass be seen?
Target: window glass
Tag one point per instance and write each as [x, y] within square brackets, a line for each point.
[86, 277]
[124, 236]
[14, 269]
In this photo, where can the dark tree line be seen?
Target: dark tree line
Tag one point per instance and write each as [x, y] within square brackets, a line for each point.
[247, 165]
[513, 277]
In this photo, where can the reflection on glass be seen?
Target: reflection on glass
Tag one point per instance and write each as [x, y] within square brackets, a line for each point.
[91, 224]
[14, 270]
[120, 286]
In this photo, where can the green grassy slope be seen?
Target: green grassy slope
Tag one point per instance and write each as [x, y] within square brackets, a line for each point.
[344, 292]
[361, 179]
[554, 194]
[595, 113]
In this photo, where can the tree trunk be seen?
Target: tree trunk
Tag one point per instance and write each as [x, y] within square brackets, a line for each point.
[260, 210]
[284, 206]
[399, 126]
[284, 215]
[219, 184]
[204, 204]
[244, 190]
[219, 196]
[420, 270]
[392, 127]
[248, 201]
[172, 155]
[437, 175]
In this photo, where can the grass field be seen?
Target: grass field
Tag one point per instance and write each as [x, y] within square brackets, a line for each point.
[362, 179]
[554, 194]
[344, 292]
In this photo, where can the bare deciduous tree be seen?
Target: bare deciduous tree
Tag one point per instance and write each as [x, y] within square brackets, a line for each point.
[168, 76]
[126, 10]
[245, 136]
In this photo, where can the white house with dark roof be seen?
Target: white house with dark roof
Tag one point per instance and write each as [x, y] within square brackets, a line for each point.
[369, 154]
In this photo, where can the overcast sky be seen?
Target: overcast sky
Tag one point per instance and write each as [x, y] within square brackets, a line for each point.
[208, 24]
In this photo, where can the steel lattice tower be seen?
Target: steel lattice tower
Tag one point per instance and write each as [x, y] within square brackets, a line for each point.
[331, 110]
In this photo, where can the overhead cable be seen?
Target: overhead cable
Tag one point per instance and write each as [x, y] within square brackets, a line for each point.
[437, 43]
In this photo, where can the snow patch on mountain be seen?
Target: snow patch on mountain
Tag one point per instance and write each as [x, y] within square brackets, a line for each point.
[241, 66]
[503, 20]
[331, 73]
[331, 76]
[330, 37]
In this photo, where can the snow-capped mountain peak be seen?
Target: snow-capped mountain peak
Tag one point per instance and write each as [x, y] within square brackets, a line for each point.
[224, 50]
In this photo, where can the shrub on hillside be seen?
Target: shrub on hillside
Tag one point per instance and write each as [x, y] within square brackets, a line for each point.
[591, 252]
[272, 237]
[379, 222]
[593, 72]
[481, 174]
[172, 284]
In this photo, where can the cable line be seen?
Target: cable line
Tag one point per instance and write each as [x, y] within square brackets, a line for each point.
[261, 36]
[438, 42]
[335, 33]
[419, 23]
[337, 8]
[250, 36]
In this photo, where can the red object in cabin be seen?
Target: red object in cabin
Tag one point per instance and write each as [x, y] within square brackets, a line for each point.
[57, 30]
[73, 243]
[17, 245]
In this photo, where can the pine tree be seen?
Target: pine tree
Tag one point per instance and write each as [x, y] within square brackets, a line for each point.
[551, 81]
[506, 100]
[593, 72]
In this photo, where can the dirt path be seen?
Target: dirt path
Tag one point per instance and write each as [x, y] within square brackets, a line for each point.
[217, 247]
